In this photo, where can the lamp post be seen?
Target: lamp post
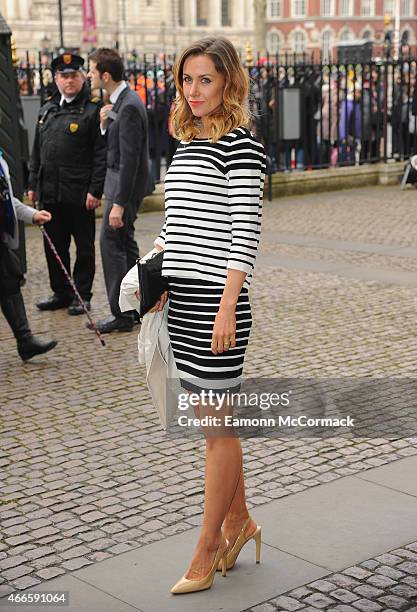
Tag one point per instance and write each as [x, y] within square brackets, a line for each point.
[61, 27]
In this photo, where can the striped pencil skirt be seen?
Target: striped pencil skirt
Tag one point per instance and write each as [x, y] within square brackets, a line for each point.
[193, 305]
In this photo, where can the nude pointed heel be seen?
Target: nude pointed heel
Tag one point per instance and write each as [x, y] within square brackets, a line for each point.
[189, 585]
[258, 541]
[241, 540]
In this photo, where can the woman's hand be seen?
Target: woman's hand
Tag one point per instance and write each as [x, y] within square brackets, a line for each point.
[160, 303]
[224, 330]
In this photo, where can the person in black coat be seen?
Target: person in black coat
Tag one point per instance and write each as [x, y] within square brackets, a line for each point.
[67, 172]
[128, 179]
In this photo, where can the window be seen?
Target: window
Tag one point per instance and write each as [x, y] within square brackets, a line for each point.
[273, 42]
[367, 8]
[226, 18]
[181, 15]
[274, 9]
[346, 34]
[202, 13]
[367, 34]
[326, 45]
[389, 7]
[407, 8]
[298, 8]
[299, 41]
[327, 8]
[405, 37]
[346, 8]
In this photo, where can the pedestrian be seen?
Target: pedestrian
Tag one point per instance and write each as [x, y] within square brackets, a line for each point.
[67, 171]
[128, 178]
[11, 277]
[213, 207]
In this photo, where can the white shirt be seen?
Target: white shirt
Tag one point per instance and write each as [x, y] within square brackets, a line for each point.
[116, 93]
[114, 97]
[65, 99]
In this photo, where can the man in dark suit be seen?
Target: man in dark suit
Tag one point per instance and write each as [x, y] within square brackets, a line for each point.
[128, 178]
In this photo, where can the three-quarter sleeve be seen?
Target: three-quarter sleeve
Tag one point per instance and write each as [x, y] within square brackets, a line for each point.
[246, 166]
[160, 241]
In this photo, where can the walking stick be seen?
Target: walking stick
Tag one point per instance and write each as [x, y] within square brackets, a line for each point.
[71, 282]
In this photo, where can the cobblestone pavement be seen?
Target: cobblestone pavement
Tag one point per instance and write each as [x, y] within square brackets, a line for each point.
[86, 471]
[386, 583]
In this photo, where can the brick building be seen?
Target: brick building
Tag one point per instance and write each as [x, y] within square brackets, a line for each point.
[318, 25]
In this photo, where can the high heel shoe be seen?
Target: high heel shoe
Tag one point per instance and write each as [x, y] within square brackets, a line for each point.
[189, 585]
[241, 540]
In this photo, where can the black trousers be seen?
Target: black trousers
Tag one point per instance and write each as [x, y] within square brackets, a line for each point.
[119, 252]
[79, 223]
[10, 272]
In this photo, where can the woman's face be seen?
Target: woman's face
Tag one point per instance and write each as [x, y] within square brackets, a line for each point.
[203, 85]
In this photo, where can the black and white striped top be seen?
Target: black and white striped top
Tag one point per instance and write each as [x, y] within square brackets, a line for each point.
[213, 207]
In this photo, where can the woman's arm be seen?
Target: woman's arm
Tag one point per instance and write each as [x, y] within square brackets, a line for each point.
[245, 174]
[224, 330]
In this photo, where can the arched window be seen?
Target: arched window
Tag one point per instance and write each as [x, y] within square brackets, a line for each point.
[346, 34]
[273, 42]
[326, 45]
[226, 13]
[367, 34]
[299, 40]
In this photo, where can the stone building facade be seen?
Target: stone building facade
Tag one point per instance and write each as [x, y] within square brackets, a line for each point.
[151, 26]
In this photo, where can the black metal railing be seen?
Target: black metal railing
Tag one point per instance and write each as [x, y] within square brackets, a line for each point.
[347, 114]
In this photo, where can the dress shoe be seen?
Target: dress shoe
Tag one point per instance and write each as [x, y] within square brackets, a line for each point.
[241, 540]
[30, 346]
[55, 302]
[112, 324]
[190, 585]
[76, 307]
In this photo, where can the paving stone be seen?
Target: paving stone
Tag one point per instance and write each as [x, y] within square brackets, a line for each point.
[284, 602]
[393, 601]
[319, 600]
[77, 563]
[266, 607]
[26, 582]
[366, 605]
[344, 595]
[50, 572]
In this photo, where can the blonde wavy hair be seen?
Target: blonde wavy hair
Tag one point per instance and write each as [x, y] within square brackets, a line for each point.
[234, 111]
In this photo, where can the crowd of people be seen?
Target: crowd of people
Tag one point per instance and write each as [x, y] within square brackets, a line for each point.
[349, 114]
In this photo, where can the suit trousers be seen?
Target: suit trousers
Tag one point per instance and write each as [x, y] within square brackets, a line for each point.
[78, 222]
[119, 252]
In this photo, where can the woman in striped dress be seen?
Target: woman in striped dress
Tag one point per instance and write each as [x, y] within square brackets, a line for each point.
[213, 207]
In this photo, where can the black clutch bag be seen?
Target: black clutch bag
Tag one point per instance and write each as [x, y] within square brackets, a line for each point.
[151, 282]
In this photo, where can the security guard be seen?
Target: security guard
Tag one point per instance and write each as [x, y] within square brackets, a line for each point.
[67, 172]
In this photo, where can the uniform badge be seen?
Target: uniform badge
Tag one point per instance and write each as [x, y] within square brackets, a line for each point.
[67, 57]
[73, 127]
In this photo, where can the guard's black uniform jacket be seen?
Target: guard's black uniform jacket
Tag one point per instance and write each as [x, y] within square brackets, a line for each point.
[69, 152]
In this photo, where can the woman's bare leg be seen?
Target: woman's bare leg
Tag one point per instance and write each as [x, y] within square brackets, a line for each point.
[222, 471]
[238, 514]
